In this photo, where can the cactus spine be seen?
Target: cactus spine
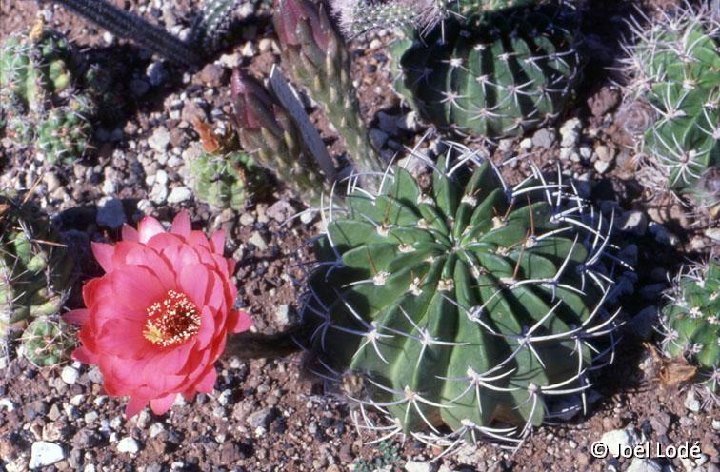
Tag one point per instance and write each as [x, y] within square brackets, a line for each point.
[471, 307]
[496, 74]
[691, 320]
[47, 342]
[673, 67]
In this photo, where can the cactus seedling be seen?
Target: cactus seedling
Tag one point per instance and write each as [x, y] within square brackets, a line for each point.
[471, 307]
[223, 176]
[47, 342]
[497, 75]
[691, 320]
[674, 68]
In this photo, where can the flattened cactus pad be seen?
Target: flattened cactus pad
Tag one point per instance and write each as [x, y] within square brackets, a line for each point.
[469, 307]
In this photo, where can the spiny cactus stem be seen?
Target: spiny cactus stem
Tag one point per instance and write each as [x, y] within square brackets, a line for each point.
[128, 25]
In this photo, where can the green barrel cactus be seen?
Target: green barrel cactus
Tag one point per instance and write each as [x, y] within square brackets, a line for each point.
[39, 105]
[495, 76]
[674, 67]
[35, 270]
[691, 320]
[469, 307]
[47, 342]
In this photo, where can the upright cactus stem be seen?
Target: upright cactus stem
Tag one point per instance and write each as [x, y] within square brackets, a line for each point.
[317, 59]
[128, 25]
[270, 136]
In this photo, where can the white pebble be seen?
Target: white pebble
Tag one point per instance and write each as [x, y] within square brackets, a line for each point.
[45, 453]
[128, 445]
[69, 375]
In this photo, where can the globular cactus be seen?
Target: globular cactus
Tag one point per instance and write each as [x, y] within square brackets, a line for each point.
[356, 17]
[47, 342]
[673, 67]
[317, 58]
[211, 24]
[467, 309]
[40, 106]
[35, 270]
[691, 321]
[498, 75]
[270, 136]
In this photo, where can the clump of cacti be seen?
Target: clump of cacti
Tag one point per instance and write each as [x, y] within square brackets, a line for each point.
[47, 342]
[497, 75]
[38, 102]
[673, 68]
[35, 270]
[469, 307]
[691, 321]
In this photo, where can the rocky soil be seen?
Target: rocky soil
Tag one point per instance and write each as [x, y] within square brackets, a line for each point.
[270, 414]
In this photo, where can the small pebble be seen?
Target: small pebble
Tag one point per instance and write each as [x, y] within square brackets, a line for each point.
[128, 445]
[179, 195]
[45, 453]
[69, 375]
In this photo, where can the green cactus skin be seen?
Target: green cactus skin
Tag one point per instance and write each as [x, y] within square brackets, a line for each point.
[47, 342]
[674, 66]
[40, 107]
[357, 17]
[211, 24]
[470, 307]
[35, 272]
[317, 58]
[499, 76]
[226, 180]
[691, 320]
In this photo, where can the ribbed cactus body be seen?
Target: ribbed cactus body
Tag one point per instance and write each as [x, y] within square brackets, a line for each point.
[226, 180]
[46, 342]
[34, 271]
[501, 74]
[37, 99]
[692, 320]
[675, 66]
[469, 306]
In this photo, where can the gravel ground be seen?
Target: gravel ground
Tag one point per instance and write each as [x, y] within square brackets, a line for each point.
[269, 413]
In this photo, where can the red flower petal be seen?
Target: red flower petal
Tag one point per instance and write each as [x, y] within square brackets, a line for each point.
[207, 382]
[77, 317]
[239, 321]
[181, 224]
[103, 255]
[134, 406]
[161, 405]
[148, 228]
[130, 234]
[218, 242]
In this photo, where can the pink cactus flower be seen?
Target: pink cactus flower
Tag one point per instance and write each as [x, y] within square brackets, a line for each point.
[159, 318]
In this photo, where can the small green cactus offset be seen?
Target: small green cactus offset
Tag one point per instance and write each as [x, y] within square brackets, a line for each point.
[469, 307]
[35, 271]
[223, 176]
[46, 342]
[674, 67]
[38, 104]
[499, 75]
[691, 321]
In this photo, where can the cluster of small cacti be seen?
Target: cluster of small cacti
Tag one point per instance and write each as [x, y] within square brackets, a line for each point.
[35, 271]
[39, 105]
[691, 321]
[500, 75]
[674, 66]
[471, 306]
[47, 342]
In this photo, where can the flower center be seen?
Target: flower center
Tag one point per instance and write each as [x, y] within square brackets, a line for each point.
[172, 321]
